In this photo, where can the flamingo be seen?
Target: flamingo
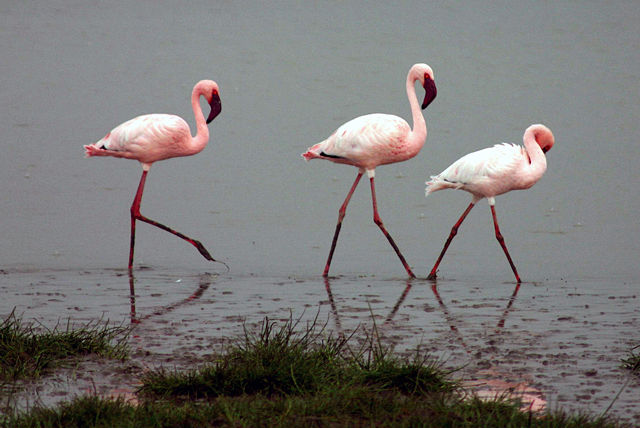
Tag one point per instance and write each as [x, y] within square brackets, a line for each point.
[377, 139]
[153, 137]
[493, 171]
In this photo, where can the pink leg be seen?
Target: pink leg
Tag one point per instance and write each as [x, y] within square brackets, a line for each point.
[341, 213]
[135, 215]
[503, 245]
[454, 231]
[377, 220]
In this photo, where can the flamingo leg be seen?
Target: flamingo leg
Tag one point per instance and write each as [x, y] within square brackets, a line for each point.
[454, 231]
[135, 215]
[341, 212]
[377, 220]
[503, 245]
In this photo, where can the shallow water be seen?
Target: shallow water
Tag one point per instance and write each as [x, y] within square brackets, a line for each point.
[289, 75]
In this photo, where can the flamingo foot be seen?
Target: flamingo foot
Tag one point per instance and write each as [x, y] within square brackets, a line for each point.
[205, 253]
[203, 250]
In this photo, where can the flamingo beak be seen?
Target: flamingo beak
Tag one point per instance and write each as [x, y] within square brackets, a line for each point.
[216, 107]
[430, 91]
[545, 149]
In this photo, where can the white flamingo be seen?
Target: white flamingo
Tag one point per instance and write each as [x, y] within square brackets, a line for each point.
[493, 171]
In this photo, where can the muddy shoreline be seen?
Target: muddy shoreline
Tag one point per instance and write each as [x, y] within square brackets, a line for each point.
[558, 343]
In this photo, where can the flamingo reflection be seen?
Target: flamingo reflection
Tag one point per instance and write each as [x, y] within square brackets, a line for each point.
[334, 309]
[490, 382]
[389, 317]
[205, 282]
[451, 320]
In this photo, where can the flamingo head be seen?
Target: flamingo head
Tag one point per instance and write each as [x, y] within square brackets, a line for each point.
[214, 103]
[209, 90]
[543, 136]
[429, 85]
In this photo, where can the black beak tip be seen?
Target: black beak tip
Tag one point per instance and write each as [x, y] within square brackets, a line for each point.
[430, 92]
[216, 108]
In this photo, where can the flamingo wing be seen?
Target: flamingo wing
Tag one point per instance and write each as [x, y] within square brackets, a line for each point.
[147, 138]
[364, 141]
[476, 170]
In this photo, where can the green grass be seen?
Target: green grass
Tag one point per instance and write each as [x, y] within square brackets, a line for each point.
[282, 362]
[298, 411]
[27, 352]
[280, 377]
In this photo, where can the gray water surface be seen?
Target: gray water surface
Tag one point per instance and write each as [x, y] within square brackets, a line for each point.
[289, 74]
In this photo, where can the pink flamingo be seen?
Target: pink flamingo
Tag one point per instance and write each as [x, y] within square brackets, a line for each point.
[494, 171]
[377, 139]
[154, 137]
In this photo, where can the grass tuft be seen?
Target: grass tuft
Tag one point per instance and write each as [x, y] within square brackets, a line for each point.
[275, 361]
[360, 409]
[281, 361]
[27, 352]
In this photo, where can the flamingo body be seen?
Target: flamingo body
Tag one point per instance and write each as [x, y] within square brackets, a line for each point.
[488, 172]
[378, 139]
[154, 137]
[493, 171]
[147, 138]
[367, 142]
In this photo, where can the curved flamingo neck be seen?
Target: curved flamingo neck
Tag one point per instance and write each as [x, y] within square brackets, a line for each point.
[419, 131]
[534, 138]
[202, 131]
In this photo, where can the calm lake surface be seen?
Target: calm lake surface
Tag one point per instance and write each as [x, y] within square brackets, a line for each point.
[289, 74]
